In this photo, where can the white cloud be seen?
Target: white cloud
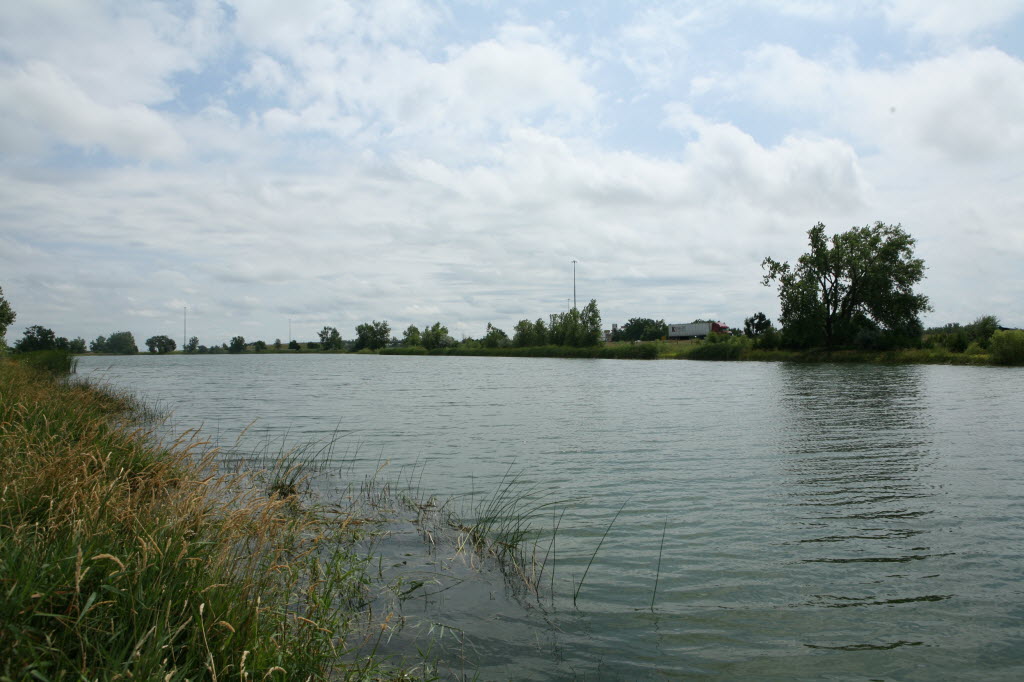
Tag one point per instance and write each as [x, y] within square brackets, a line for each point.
[949, 18]
[40, 104]
[965, 106]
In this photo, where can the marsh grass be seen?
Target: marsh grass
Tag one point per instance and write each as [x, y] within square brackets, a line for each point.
[121, 559]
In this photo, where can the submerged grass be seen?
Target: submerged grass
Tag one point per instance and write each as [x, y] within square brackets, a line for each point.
[121, 559]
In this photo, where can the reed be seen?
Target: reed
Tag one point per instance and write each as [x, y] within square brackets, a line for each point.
[123, 559]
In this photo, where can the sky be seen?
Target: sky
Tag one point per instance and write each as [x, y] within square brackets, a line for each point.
[268, 165]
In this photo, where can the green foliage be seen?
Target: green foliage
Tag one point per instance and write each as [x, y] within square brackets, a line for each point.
[193, 345]
[237, 344]
[293, 345]
[7, 317]
[77, 345]
[862, 278]
[1007, 347]
[160, 344]
[436, 336]
[259, 346]
[372, 335]
[55, 362]
[411, 336]
[982, 329]
[495, 338]
[720, 347]
[756, 325]
[36, 338]
[277, 344]
[641, 329]
[330, 338]
[120, 343]
[579, 328]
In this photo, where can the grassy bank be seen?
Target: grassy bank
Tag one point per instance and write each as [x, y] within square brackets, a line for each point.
[120, 559]
[743, 350]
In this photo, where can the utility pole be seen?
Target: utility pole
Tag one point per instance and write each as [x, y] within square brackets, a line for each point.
[289, 330]
[184, 327]
[573, 282]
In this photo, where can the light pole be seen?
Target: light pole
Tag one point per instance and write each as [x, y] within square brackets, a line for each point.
[184, 327]
[574, 283]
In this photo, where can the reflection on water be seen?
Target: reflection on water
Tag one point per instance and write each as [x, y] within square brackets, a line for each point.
[819, 521]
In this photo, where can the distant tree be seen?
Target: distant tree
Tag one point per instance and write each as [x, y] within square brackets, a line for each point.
[372, 335]
[495, 338]
[861, 279]
[160, 344]
[641, 329]
[36, 338]
[237, 344]
[293, 345]
[202, 349]
[436, 336]
[411, 336]
[277, 344]
[259, 346]
[330, 339]
[121, 343]
[590, 317]
[77, 345]
[756, 325]
[524, 334]
[98, 345]
[193, 345]
[7, 316]
[312, 345]
[981, 330]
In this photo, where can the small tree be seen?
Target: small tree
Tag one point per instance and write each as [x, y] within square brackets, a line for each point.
[277, 344]
[160, 344]
[77, 345]
[237, 344]
[756, 324]
[259, 346]
[641, 329]
[330, 338]
[98, 345]
[7, 316]
[193, 345]
[525, 334]
[293, 345]
[411, 336]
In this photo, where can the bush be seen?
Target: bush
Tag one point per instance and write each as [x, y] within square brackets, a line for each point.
[975, 348]
[1007, 347]
[56, 362]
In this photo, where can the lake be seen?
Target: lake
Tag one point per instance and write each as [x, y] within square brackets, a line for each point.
[788, 521]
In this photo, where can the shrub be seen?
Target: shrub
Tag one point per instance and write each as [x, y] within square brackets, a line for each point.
[1007, 347]
[974, 348]
[56, 362]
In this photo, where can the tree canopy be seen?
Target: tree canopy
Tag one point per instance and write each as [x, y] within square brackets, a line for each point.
[37, 338]
[641, 329]
[330, 338]
[851, 286]
[160, 344]
[373, 335]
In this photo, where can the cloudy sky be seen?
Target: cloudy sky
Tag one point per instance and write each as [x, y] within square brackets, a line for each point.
[332, 162]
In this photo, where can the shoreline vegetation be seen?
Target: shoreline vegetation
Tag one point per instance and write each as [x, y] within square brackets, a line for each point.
[122, 557]
[1009, 351]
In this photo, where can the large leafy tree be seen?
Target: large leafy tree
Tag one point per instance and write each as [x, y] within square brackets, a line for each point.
[373, 335]
[856, 282]
[411, 336]
[238, 344]
[122, 343]
[641, 329]
[160, 344]
[37, 338]
[436, 336]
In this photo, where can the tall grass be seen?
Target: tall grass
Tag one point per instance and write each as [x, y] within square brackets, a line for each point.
[56, 362]
[120, 559]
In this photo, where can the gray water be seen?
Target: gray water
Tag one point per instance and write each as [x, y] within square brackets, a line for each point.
[823, 521]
